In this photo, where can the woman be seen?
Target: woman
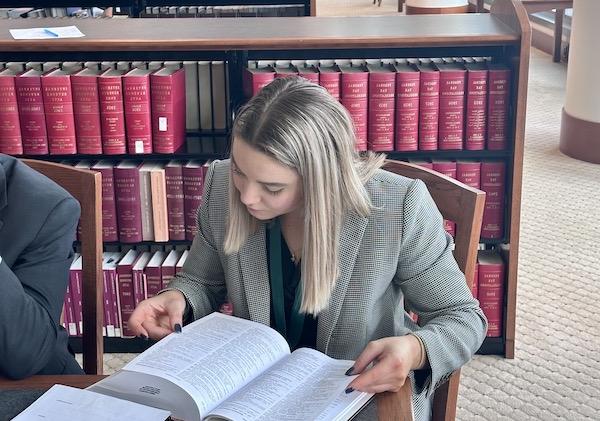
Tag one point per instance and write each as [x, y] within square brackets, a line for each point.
[299, 232]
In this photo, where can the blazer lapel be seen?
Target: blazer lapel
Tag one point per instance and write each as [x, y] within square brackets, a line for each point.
[255, 276]
[351, 235]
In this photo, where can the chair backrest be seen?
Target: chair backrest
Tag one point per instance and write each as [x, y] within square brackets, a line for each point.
[464, 205]
[86, 187]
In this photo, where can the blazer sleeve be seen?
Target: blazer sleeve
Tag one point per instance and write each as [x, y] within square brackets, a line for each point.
[452, 323]
[33, 292]
[202, 280]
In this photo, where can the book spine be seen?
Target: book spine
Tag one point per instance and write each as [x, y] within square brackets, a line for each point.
[139, 290]
[429, 106]
[193, 180]
[10, 130]
[497, 118]
[491, 296]
[114, 316]
[75, 284]
[382, 93]
[60, 122]
[469, 173]
[257, 81]
[407, 111]
[126, 299]
[354, 91]
[476, 110]
[109, 327]
[112, 117]
[168, 111]
[153, 281]
[69, 314]
[128, 204]
[452, 104]
[138, 122]
[109, 211]
[175, 202]
[86, 111]
[31, 115]
[492, 183]
[160, 214]
[167, 273]
[331, 82]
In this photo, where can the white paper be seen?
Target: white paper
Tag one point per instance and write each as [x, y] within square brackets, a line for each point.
[47, 33]
[162, 124]
[69, 403]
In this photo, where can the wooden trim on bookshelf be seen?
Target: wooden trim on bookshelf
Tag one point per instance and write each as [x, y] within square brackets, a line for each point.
[580, 139]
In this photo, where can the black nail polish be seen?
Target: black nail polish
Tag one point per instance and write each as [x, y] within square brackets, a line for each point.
[144, 337]
[177, 328]
[350, 371]
[349, 390]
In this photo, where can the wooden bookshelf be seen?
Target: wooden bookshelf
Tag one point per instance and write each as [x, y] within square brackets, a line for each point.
[504, 34]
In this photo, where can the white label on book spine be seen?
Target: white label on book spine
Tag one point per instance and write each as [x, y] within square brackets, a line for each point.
[139, 145]
[162, 124]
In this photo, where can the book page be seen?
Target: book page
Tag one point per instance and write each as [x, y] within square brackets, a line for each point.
[306, 385]
[213, 357]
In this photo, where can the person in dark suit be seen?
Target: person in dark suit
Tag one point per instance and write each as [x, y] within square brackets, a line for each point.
[37, 227]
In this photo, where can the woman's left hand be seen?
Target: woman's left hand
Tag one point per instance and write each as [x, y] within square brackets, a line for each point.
[392, 359]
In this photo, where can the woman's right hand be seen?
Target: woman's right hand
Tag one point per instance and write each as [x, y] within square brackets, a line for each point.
[158, 316]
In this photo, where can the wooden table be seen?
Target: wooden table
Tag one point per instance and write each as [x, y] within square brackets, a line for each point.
[388, 409]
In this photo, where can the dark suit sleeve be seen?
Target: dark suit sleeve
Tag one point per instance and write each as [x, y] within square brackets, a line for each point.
[33, 293]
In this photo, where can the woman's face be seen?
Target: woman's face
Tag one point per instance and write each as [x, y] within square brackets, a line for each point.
[267, 188]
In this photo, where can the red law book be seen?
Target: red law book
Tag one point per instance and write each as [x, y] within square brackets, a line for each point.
[108, 275]
[382, 101]
[138, 278]
[429, 107]
[493, 175]
[181, 261]
[126, 301]
[285, 71]
[452, 106]
[152, 272]
[193, 182]
[75, 287]
[86, 110]
[109, 210]
[32, 117]
[167, 268]
[476, 110]
[128, 201]
[167, 93]
[10, 130]
[310, 73]
[330, 79]
[491, 290]
[58, 106]
[355, 97]
[136, 101]
[475, 285]
[113, 260]
[498, 100]
[175, 200]
[447, 168]
[256, 79]
[408, 80]
[112, 116]
[469, 172]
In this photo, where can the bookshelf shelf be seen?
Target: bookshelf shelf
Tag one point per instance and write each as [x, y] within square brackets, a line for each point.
[504, 34]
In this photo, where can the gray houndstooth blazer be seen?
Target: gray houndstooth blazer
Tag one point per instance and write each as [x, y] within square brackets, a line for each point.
[399, 255]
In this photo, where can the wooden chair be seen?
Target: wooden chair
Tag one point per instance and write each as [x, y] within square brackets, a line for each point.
[86, 187]
[464, 205]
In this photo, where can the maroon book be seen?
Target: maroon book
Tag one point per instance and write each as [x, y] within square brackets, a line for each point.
[126, 300]
[355, 97]
[128, 201]
[138, 278]
[452, 106]
[109, 210]
[330, 79]
[108, 275]
[498, 101]
[136, 101]
[167, 268]
[476, 109]
[408, 80]
[32, 117]
[112, 115]
[193, 183]
[447, 168]
[491, 290]
[256, 79]
[86, 110]
[285, 71]
[10, 130]
[58, 106]
[381, 106]
[181, 261]
[75, 287]
[167, 93]
[152, 272]
[493, 175]
[429, 107]
[469, 173]
[309, 73]
[175, 200]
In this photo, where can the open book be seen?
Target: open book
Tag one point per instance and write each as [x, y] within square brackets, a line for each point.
[226, 368]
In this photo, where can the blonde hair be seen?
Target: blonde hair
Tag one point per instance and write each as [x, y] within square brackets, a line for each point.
[300, 125]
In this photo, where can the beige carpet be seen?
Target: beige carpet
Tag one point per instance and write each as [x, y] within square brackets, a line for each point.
[556, 372]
